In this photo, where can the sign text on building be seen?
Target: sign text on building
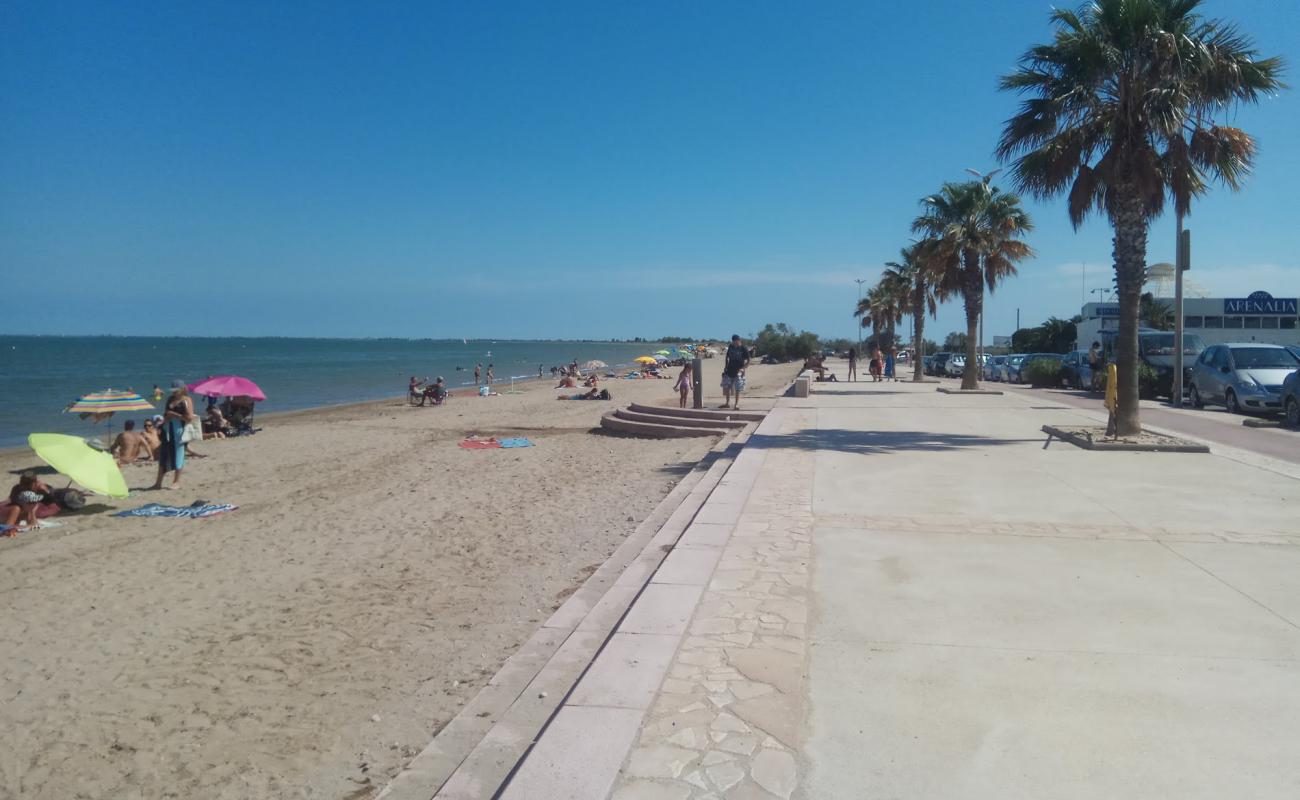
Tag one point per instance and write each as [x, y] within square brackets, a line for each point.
[1259, 303]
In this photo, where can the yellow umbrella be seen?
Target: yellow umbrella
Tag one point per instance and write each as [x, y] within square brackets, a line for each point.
[645, 360]
[71, 456]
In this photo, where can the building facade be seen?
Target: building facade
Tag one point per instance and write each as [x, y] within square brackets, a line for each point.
[1260, 317]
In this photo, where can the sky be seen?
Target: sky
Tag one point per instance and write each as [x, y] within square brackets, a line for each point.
[541, 170]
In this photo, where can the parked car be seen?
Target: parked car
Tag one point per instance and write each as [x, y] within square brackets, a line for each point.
[1156, 350]
[927, 363]
[955, 365]
[939, 364]
[993, 368]
[1076, 372]
[1291, 397]
[1244, 377]
[1011, 369]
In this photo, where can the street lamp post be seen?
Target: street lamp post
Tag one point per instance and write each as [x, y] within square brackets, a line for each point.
[859, 282]
[1182, 261]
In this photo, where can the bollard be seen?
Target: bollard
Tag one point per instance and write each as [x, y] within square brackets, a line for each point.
[697, 382]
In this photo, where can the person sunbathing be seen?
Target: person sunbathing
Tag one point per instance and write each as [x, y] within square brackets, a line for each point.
[568, 382]
[130, 445]
[214, 424]
[152, 438]
[25, 498]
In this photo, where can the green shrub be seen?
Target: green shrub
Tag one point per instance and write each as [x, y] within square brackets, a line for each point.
[1149, 382]
[1044, 372]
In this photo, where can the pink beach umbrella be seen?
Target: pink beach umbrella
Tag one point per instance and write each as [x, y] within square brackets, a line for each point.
[228, 385]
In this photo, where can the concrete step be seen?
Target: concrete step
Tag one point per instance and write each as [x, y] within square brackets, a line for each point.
[612, 422]
[693, 422]
[698, 413]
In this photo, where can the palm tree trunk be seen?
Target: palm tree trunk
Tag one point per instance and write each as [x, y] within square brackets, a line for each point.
[973, 294]
[1130, 253]
[918, 330]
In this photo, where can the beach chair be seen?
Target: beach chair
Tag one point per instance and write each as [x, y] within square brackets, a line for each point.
[238, 412]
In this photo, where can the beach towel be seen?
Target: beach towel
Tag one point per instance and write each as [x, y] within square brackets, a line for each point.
[191, 512]
[480, 444]
[520, 442]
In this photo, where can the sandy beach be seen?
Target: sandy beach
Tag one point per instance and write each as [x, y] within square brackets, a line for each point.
[309, 643]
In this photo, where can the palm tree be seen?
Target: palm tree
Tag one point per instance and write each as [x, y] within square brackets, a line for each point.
[1121, 110]
[978, 228]
[913, 274]
[891, 299]
[1156, 313]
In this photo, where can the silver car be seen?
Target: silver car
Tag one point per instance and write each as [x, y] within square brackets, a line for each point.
[1243, 377]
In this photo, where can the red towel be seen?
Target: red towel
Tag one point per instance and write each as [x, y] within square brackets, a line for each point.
[42, 511]
[480, 444]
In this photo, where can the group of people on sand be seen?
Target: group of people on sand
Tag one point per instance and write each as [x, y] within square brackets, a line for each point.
[167, 438]
[881, 367]
[423, 390]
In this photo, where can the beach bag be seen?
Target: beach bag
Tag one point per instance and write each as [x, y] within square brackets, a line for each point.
[70, 499]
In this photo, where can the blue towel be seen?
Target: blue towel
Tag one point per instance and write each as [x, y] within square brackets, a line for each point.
[191, 512]
[521, 442]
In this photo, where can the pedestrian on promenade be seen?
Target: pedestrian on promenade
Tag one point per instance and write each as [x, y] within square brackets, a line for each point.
[853, 363]
[733, 371]
[683, 385]
[891, 361]
[877, 365]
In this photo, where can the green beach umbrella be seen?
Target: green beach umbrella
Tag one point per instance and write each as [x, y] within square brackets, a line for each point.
[71, 456]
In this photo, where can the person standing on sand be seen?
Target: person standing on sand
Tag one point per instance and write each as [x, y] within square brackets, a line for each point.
[733, 371]
[171, 451]
[683, 385]
[853, 363]
[490, 376]
[478, 374]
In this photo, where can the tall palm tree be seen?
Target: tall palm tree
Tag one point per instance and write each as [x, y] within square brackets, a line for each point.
[1121, 110]
[892, 301]
[978, 228]
[914, 275]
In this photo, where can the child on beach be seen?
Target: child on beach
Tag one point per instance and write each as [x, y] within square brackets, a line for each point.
[683, 385]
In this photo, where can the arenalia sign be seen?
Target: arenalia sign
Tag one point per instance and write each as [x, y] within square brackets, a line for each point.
[1259, 303]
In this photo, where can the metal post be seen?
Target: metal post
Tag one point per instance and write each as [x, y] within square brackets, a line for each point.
[1182, 261]
[859, 282]
[697, 381]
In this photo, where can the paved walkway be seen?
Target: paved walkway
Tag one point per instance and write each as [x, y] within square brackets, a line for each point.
[902, 594]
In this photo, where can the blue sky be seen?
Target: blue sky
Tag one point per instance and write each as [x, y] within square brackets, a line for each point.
[538, 169]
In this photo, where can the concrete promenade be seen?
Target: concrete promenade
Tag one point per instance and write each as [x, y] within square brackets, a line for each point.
[896, 593]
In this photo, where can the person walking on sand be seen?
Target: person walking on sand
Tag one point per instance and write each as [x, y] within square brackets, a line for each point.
[733, 371]
[853, 363]
[171, 451]
[683, 385]
[478, 374]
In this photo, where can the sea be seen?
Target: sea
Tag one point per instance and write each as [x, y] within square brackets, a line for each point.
[40, 375]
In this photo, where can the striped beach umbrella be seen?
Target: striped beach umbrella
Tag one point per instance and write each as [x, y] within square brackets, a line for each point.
[108, 401]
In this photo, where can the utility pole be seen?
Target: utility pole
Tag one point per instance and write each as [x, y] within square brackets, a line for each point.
[1182, 261]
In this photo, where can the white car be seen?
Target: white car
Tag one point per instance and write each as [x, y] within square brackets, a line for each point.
[955, 366]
